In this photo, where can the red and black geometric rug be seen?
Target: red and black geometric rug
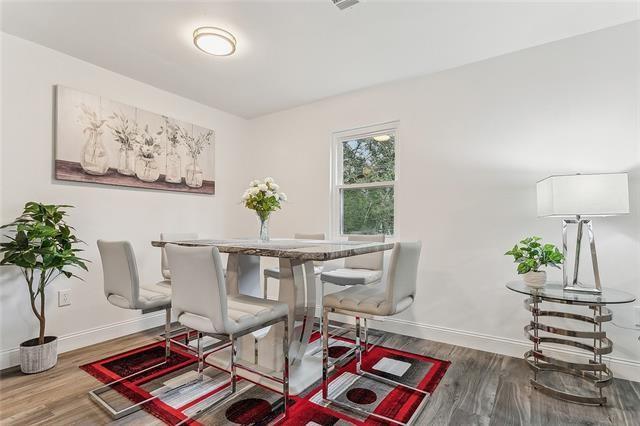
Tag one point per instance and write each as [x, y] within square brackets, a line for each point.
[255, 405]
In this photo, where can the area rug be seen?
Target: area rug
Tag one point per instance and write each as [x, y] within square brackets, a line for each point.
[255, 405]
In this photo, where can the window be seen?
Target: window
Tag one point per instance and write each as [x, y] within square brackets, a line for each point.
[364, 177]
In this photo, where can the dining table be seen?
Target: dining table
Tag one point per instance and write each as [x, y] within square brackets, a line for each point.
[297, 289]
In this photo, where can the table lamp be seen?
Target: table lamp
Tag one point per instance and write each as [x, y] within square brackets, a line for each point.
[581, 196]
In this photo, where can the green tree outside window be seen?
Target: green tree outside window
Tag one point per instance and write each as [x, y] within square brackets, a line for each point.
[368, 210]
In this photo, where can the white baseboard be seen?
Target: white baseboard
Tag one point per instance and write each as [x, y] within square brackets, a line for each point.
[69, 342]
[622, 368]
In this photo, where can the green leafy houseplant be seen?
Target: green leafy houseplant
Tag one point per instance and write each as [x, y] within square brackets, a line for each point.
[531, 254]
[43, 247]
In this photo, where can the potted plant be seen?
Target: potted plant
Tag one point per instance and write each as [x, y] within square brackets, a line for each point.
[264, 198]
[531, 254]
[43, 247]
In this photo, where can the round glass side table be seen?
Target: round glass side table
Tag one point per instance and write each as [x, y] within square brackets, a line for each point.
[594, 343]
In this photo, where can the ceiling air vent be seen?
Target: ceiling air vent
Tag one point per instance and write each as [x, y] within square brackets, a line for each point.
[343, 4]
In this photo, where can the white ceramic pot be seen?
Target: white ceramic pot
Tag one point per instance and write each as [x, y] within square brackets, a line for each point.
[35, 358]
[535, 279]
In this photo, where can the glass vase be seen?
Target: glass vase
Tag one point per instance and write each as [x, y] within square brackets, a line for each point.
[95, 159]
[194, 174]
[264, 227]
[147, 169]
[174, 167]
[127, 163]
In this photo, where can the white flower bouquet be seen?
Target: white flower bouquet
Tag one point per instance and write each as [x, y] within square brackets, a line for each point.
[264, 197]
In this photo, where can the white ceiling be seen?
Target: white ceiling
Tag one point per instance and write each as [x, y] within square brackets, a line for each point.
[294, 52]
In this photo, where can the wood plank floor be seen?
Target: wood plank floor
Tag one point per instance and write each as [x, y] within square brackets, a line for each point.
[480, 388]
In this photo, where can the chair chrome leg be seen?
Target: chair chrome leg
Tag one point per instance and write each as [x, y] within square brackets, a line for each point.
[200, 358]
[186, 336]
[285, 373]
[325, 353]
[358, 347]
[359, 371]
[321, 307]
[234, 350]
[167, 333]
[115, 415]
[365, 334]
[95, 393]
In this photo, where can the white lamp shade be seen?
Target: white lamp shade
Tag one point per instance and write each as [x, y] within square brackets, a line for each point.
[584, 195]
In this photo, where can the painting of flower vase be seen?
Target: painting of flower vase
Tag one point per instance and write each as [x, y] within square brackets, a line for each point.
[102, 141]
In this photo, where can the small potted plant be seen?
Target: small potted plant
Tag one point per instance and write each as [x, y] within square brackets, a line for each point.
[43, 247]
[264, 197]
[531, 254]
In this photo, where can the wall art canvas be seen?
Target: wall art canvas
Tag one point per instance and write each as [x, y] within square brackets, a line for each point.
[107, 142]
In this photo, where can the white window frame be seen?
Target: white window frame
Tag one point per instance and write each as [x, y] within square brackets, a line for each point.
[336, 172]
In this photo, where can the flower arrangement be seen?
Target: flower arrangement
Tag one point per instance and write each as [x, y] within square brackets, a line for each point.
[264, 197]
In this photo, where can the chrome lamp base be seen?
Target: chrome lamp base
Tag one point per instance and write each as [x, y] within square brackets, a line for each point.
[575, 284]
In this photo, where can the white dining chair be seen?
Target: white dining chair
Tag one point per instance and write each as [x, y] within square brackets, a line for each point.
[358, 270]
[365, 269]
[201, 303]
[382, 300]
[166, 236]
[166, 273]
[274, 273]
[122, 289]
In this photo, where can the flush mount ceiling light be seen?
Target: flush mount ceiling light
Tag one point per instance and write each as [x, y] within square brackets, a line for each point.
[381, 138]
[214, 41]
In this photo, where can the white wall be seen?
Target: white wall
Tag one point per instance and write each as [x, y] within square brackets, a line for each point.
[29, 72]
[473, 141]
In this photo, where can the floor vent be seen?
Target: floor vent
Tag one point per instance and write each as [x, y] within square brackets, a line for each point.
[343, 4]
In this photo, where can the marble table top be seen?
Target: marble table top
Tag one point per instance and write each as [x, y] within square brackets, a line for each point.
[319, 250]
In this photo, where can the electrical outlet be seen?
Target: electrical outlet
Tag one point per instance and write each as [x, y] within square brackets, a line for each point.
[64, 297]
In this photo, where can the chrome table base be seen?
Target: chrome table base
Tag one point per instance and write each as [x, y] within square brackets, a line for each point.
[595, 343]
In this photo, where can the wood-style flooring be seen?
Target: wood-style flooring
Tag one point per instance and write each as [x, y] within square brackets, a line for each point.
[480, 388]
